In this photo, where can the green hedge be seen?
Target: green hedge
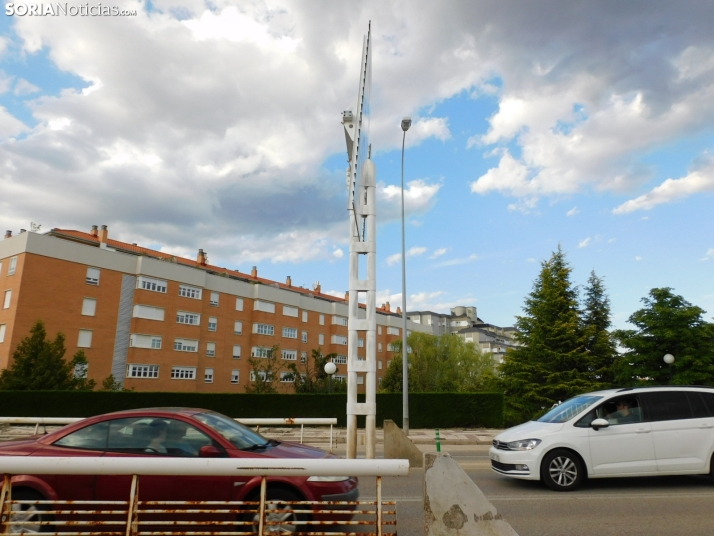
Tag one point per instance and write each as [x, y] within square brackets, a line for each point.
[426, 410]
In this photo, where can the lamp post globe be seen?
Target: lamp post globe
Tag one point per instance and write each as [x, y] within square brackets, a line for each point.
[330, 368]
[668, 358]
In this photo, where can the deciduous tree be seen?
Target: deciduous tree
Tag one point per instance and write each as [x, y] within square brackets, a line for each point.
[265, 372]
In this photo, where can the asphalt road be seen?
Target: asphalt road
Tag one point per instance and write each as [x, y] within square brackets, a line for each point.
[679, 506]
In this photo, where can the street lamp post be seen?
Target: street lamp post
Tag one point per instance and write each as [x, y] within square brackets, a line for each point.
[330, 369]
[406, 123]
[669, 359]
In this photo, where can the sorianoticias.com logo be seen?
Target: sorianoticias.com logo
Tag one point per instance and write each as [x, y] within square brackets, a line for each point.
[66, 10]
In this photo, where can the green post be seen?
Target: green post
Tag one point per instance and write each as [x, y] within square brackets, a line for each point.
[438, 441]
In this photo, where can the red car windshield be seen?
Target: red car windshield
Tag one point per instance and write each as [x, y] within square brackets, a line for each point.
[242, 437]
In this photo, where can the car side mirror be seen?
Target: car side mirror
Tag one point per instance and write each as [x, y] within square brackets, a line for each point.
[209, 451]
[599, 423]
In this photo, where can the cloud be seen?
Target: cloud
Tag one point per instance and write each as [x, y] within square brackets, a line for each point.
[432, 127]
[419, 197]
[584, 243]
[411, 252]
[638, 258]
[394, 259]
[438, 253]
[530, 259]
[23, 87]
[572, 212]
[699, 181]
[457, 261]
[338, 253]
[709, 255]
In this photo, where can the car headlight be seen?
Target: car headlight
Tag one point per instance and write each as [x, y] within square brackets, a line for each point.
[328, 478]
[523, 444]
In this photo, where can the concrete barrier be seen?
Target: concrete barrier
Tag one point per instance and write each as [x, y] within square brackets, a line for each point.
[454, 505]
[397, 445]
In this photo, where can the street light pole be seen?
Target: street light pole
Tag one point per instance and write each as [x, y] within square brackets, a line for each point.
[330, 369]
[669, 359]
[406, 123]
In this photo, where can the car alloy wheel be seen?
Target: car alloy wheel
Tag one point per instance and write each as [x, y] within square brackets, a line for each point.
[278, 511]
[562, 471]
[28, 514]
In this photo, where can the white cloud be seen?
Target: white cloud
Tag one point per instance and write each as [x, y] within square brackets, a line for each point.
[530, 259]
[638, 258]
[415, 251]
[457, 261]
[23, 87]
[432, 127]
[584, 243]
[572, 212]
[394, 259]
[709, 255]
[338, 253]
[438, 253]
[419, 197]
[699, 181]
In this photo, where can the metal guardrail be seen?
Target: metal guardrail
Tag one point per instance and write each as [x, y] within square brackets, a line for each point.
[288, 421]
[135, 517]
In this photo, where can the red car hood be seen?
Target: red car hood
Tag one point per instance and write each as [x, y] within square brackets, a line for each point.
[286, 449]
[20, 447]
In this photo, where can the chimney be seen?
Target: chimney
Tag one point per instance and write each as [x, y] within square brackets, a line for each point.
[103, 234]
[23, 231]
[347, 296]
[386, 307]
[254, 271]
[289, 282]
[399, 310]
[8, 234]
[201, 258]
[94, 231]
[317, 287]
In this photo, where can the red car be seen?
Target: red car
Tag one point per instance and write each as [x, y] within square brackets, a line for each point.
[178, 432]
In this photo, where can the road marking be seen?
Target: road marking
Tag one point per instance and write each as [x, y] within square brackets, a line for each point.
[560, 497]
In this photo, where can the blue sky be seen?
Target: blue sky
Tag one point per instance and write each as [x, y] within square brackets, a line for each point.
[216, 125]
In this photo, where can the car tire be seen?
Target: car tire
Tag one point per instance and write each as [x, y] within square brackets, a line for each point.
[280, 511]
[562, 470]
[31, 514]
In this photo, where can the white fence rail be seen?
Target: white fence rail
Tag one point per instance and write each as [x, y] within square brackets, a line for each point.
[136, 517]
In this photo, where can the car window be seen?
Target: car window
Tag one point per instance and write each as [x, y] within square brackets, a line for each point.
[698, 405]
[150, 435]
[93, 437]
[667, 406]
[240, 436]
[709, 401]
[569, 409]
[620, 410]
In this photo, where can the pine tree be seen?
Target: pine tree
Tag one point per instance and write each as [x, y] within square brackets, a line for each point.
[551, 364]
[667, 324]
[38, 364]
[597, 339]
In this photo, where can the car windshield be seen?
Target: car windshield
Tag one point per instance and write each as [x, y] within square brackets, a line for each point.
[242, 437]
[569, 409]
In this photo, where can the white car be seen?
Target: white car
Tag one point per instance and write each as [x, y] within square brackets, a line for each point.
[642, 431]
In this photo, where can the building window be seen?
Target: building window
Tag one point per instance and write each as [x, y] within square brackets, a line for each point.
[185, 345]
[290, 333]
[81, 370]
[392, 331]
[339, 320]
[89, 307]
[304, 336]
[183, 373]
[322, 320]
[13, 266]
[379, 330]
[145, 341]
[340, 360]
[379, 346]
[360, 380]
[287, 377]
[321, 339]
[142, 371]
[235, 376]
[303, 357]
[339, 339]
[391, 347]
[263, 376]
[266, 307]
[236, 351]
[211, 349]
[290, 311]
[84, 340]
[339, 377]
[149, 283]
[360, 343]
[193, 319]
[8, 298]
[208, 375]
[239, 304]
[214, 299]
[92, 276]
[212, 323]
[379, 380]
[238, 327]
[304, 316]
[3, 328]
[289, 355]
[148, 312]
[263, 329]
[260, 351]
[388, 362]
[379, 364]
[190, 292]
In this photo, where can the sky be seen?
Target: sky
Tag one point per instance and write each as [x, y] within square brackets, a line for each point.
[217, 125]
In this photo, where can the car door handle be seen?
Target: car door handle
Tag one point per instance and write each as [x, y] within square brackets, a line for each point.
[643, 431]
[706, 426]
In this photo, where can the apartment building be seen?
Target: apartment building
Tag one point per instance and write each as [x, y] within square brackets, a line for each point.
[163, 323]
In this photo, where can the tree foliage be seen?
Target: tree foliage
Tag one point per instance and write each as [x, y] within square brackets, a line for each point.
[444, 363]
[38, 364]
[552, 362]
[265, 372]
[597, 338]
[667, 324]
[310, 376]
